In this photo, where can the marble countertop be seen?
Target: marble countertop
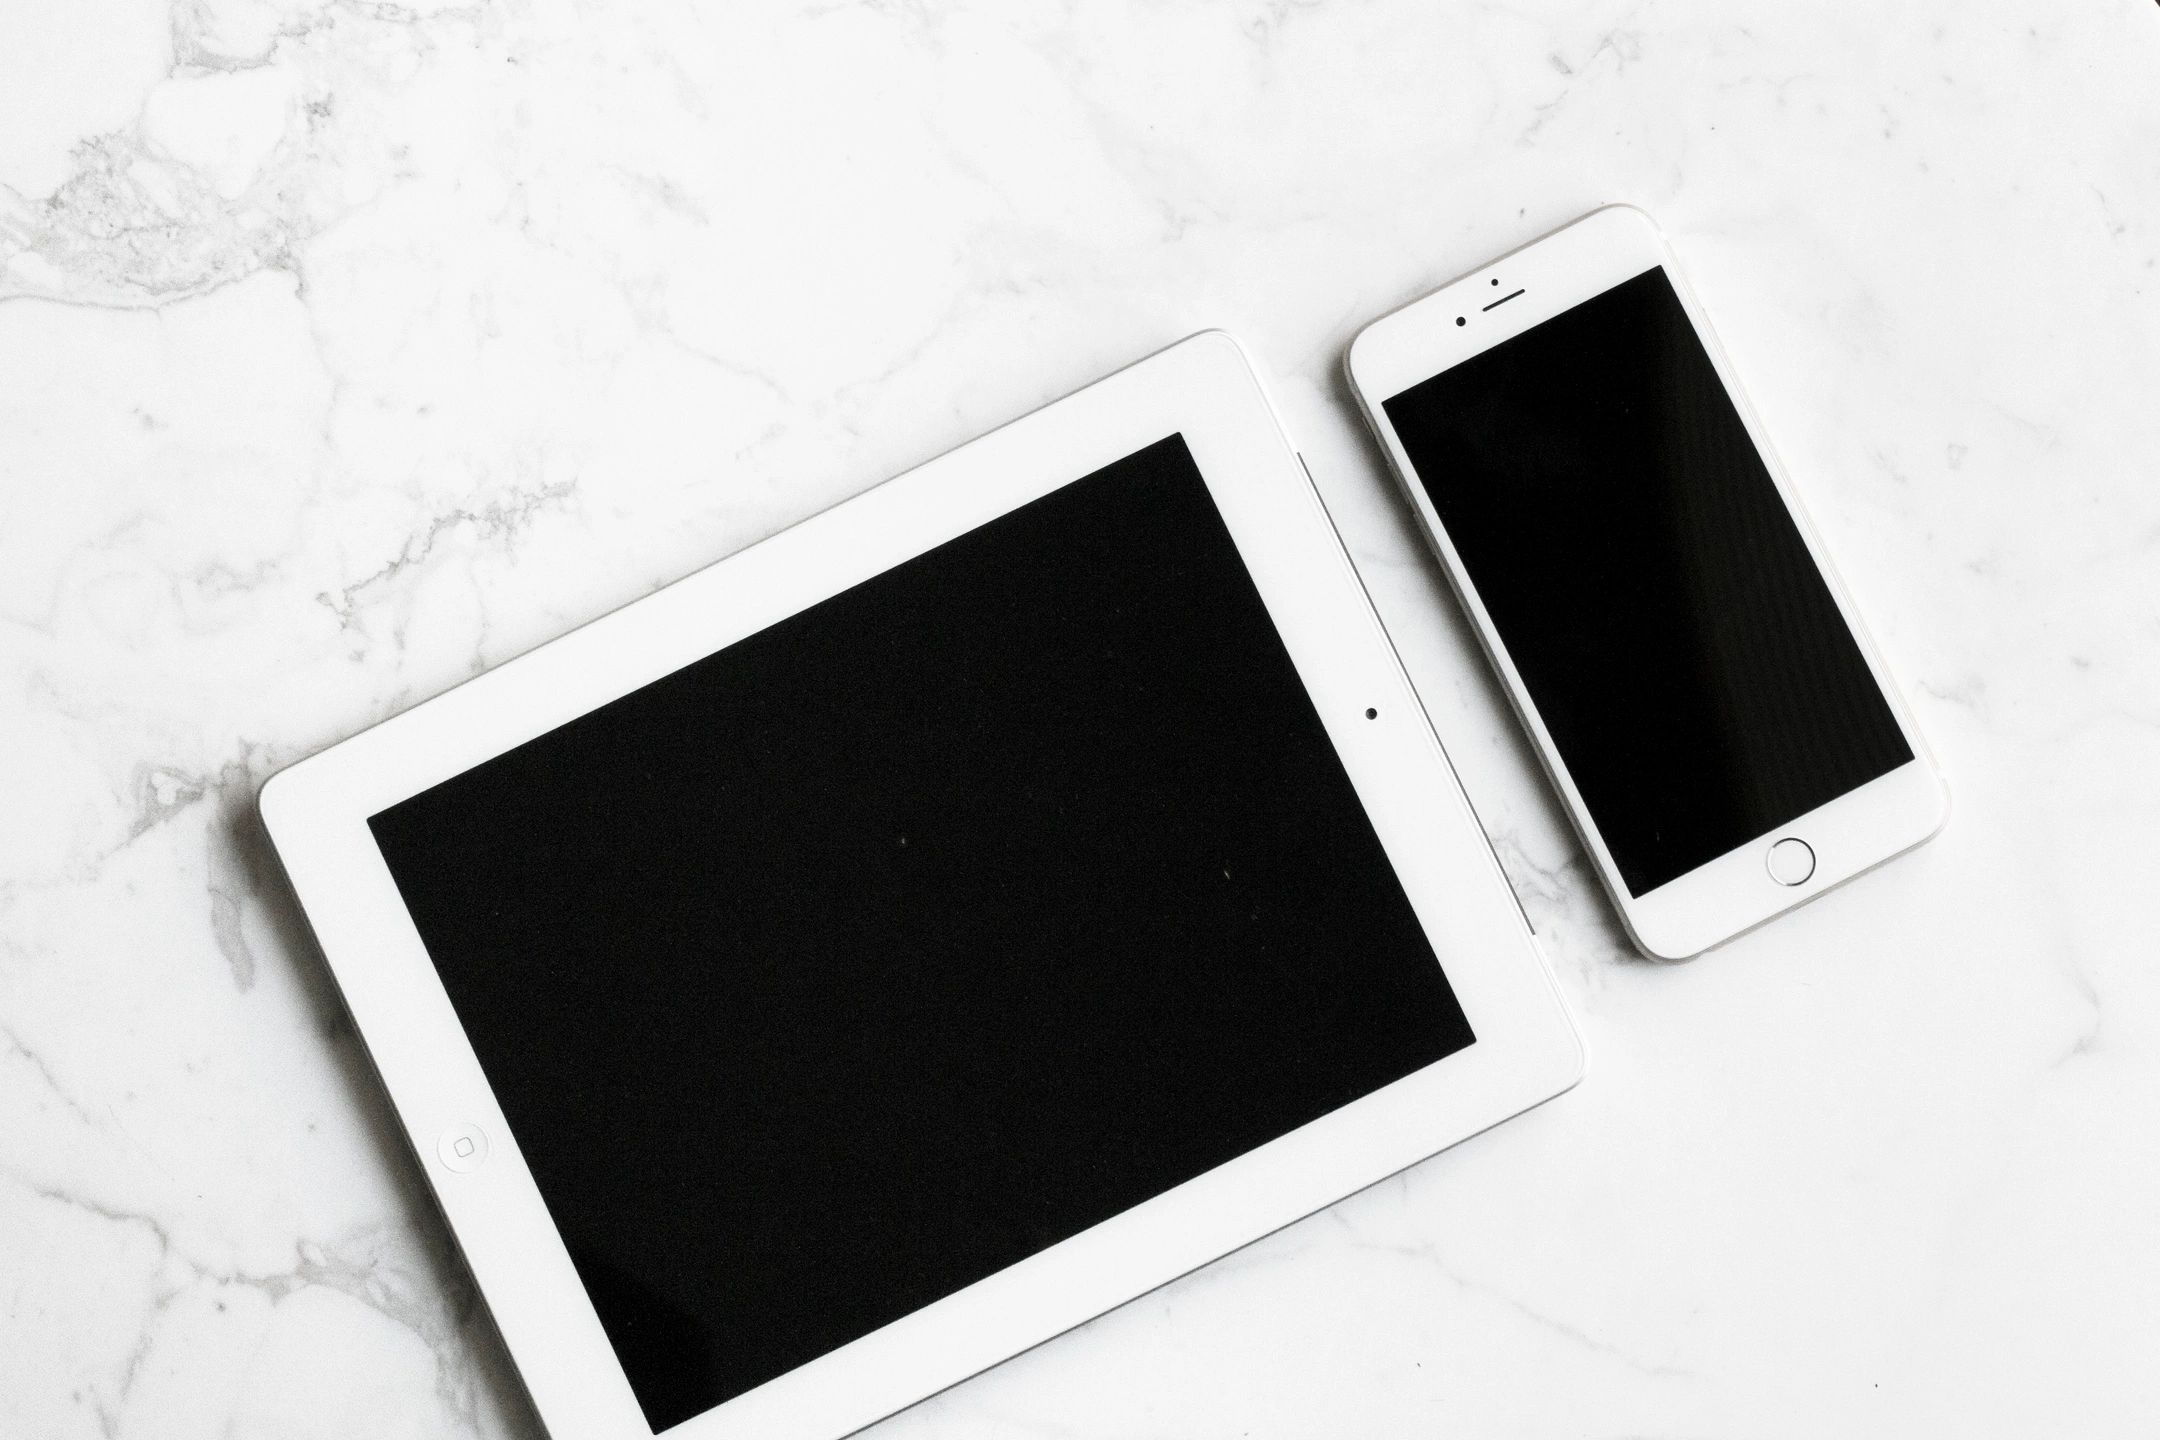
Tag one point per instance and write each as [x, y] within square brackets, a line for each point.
[347, 349]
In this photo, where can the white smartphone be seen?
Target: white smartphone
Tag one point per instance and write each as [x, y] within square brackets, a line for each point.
[1639, 571]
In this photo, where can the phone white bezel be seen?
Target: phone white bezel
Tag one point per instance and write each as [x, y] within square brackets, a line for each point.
[1526, 1050]
[1735, 891]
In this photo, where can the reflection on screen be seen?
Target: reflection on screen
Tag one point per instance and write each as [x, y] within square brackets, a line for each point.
[1647, 581]
[919, 932]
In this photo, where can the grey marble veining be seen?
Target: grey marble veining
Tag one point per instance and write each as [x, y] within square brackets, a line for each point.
[347, 349]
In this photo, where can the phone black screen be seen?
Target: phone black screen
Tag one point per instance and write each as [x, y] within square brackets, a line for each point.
[1648, 581]
[919, 932]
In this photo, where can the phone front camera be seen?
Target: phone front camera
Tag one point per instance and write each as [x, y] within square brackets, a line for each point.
[1461, 320]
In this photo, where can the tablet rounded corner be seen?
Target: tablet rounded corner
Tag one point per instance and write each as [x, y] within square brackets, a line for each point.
[274, 799]
[1572, 1062]
[1945, 801]
[1215, 340]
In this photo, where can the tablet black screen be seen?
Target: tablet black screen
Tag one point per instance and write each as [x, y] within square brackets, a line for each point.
[919, 932]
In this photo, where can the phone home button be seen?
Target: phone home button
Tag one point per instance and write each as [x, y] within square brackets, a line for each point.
[1791, 861]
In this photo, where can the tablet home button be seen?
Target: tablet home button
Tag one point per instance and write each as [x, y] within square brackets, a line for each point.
[1791, 862]
[462, 1148]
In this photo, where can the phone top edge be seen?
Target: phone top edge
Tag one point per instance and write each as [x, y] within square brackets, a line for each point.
[1611, 214]
[1574, 262]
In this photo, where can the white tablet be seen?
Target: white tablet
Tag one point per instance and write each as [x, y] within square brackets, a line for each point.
[925, 930]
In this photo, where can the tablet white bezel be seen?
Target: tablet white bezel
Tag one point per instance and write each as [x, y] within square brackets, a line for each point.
[1516, 293]
[1526, 1051]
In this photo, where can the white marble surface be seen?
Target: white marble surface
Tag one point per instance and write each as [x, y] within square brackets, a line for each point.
[348, 348]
